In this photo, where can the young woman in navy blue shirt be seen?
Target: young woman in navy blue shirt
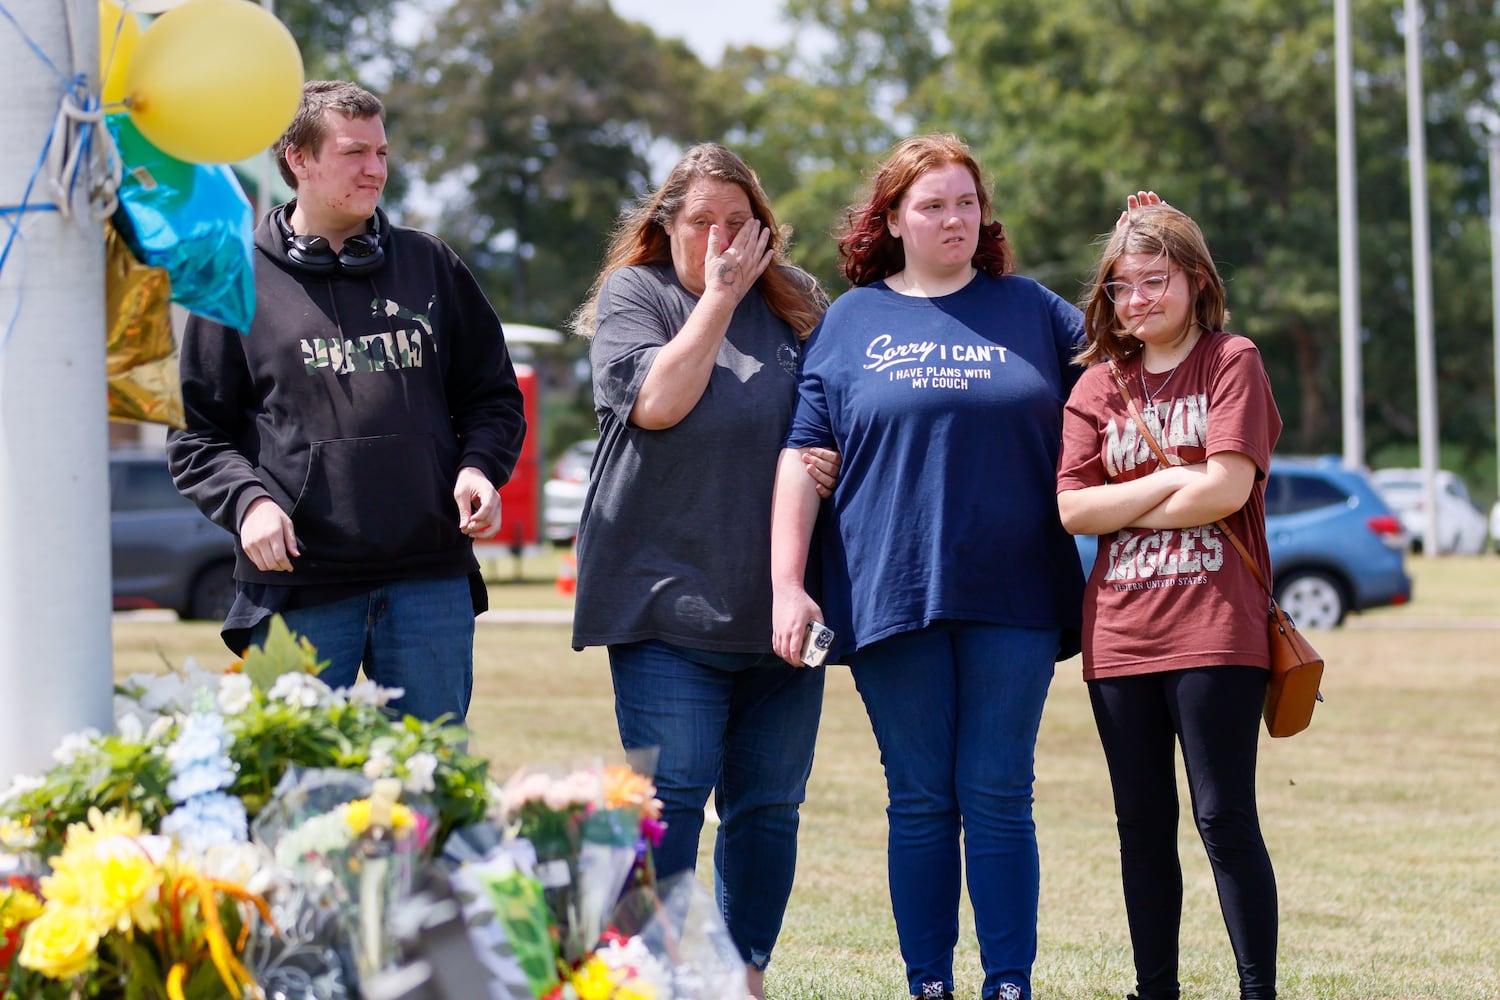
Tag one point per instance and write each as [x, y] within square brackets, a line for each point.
[941, 377]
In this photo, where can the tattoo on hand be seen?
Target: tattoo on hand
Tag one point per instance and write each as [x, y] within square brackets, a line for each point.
[726, 272]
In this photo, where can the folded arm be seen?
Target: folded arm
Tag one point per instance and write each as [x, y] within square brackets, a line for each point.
[1103, 509]
[1222, 489]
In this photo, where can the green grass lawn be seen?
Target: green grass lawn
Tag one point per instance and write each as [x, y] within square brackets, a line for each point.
[1383, 818]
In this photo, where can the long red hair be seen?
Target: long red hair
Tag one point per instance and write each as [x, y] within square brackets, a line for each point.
[870, 253]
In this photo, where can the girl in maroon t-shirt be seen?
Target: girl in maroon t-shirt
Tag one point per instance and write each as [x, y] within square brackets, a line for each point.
[1174, 645]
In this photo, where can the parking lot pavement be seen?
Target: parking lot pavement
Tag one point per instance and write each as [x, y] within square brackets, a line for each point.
[526, 616]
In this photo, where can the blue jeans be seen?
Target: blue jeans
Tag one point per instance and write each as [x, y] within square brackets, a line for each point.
[741, 726]
[956, 707]
[417, 635]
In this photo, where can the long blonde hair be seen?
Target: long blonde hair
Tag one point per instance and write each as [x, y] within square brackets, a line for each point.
[1159, 231]
[640, 237]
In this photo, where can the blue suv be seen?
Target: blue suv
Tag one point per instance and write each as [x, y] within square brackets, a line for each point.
[1335, 545]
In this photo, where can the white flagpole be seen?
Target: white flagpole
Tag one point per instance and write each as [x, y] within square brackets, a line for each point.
[1349, 328]
[1421, 249]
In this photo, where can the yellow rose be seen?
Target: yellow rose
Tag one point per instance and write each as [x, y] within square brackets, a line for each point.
[17, 906]
[60, 943]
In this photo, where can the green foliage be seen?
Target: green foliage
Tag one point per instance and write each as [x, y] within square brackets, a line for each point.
[545, 112]
[281, 653]
[269, 730]
[538, 119]
[1227, 109]
[351, 39]
[115, 773]
[813, 126]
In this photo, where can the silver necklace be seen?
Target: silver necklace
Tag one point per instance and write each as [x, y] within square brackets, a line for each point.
[1151, 396]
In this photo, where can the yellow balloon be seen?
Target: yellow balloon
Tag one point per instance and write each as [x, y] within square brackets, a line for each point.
[214, 81]
[118, 33]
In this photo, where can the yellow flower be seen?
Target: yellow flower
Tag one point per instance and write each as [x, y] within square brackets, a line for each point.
[104, 826]
[17, 906]
[593, 980]
[358, 815]
[108, 871]
[60, 943]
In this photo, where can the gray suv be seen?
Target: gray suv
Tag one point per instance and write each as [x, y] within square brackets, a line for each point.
[163, 552]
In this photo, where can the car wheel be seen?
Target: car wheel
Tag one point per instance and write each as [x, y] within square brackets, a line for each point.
[212, 592]
[1314, 600]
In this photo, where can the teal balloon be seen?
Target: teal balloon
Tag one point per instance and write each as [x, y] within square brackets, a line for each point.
[193, 220]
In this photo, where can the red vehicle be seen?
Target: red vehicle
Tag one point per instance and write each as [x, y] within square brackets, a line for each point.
[521, 497]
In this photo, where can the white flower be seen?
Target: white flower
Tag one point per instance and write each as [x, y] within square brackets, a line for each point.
[74, 744]
[127, 708]
[378, 766]
[236, 692]
[317, 837]
[367, 692]
[241, 861]
[303, 690]
[164, 693]
[420, 768]
[20, 785]
[160, 726]
[130, 729]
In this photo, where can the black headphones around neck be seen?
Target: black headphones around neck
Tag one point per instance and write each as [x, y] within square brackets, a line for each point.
[359, 255]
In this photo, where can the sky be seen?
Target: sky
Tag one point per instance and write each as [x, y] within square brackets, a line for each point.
[709, 25]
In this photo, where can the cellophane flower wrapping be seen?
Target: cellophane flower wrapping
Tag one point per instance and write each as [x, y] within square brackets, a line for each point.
[505, 912]
[357, 841]
[547, 809]
[677, 923]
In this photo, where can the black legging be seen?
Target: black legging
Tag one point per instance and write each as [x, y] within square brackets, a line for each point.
[1214, 712]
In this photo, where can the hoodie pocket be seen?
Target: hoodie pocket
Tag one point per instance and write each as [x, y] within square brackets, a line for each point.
[375, 499]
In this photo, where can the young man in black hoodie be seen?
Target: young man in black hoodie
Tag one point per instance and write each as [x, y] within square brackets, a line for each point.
[354, 437]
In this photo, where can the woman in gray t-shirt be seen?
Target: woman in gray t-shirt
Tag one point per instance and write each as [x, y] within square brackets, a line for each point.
[697, 324]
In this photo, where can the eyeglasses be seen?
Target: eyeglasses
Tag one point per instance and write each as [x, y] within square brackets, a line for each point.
[1151, 287]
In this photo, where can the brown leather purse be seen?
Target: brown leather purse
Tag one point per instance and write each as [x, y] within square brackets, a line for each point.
[1296, 668]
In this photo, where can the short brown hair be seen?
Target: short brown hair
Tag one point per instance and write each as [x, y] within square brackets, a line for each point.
[641, 238]
[869, 251]
[1160, 231]
[309, 128]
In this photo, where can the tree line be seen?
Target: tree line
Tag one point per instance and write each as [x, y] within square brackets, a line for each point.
[534, 121]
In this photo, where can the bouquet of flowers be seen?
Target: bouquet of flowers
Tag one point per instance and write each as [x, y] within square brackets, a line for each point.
[270, 713]
[158, 813]
[124, 912]
[342, 832]
[591, 830]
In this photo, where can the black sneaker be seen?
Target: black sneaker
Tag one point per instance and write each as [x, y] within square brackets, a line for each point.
[934, 991]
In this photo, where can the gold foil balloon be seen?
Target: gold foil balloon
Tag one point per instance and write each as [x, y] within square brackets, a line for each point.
[140, 346]
[118, 34]
[214, 81]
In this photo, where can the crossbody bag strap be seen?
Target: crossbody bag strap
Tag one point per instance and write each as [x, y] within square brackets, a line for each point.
[1161, 456]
